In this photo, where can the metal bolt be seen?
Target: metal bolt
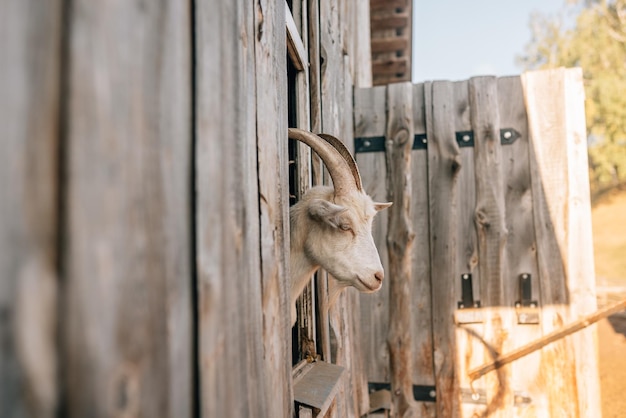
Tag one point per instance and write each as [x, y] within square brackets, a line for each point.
[466, 138]
[533, 305]
[366, 143]
[517, 304]
[475, 396]
[461, 306]
[432, 394]
[525, 276]
[465, 276]
[507, 134]
[424, 140]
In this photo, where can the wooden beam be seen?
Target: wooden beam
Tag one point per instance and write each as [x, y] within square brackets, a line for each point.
[391, 67]
[377, 5]
[547, 339]
[390, 44]
[396, 21]
[400, 236]
[295, 46]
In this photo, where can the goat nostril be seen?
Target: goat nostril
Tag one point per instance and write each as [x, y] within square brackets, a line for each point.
[379, 276]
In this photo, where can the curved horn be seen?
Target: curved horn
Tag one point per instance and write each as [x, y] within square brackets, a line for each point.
[338, 167]
[345, 153]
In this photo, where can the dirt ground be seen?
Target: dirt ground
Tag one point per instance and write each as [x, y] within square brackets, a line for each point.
[612, 353]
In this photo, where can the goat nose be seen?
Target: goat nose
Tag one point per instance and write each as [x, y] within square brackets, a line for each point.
[379, 275]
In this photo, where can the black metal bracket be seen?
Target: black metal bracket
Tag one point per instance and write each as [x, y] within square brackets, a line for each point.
[420, 141]
[526, 292]
[421, 393]
[467, 293]
[377, 143]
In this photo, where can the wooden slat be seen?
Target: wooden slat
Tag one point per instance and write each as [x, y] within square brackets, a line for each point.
[521, 243]
[393, 67]
[444, 164]
[295, 46]
[378, 5]
[560, 203]
[318, 385]
[581, 281]
[400, 236]
[361, 48]
[395, 21]
[370, 120]
[421, 313]
[469, 349]
[30, 68]
[390, 44]
[127, 330]
[490, 222]
[271, 112]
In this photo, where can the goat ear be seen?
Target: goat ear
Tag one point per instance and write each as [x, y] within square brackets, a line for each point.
[380, 206]
[327, 212]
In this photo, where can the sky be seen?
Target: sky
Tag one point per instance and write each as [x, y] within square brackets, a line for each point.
[458, 39]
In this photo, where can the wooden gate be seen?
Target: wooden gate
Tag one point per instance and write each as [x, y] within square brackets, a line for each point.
[496, 249]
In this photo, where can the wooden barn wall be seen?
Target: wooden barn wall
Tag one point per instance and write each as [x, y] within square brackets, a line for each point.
[30, 67]
[143, 207]
[492, 210]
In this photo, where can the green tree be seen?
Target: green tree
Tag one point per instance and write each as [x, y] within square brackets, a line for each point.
[595, 40]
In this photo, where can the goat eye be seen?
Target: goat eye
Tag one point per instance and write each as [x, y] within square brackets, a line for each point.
[345, 227]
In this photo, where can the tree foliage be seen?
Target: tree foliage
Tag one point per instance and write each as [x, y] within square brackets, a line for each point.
[595, 40]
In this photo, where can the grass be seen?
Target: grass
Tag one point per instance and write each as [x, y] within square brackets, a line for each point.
[609, 239]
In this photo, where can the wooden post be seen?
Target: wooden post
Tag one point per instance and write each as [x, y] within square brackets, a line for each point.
[555, 105]
[400, 235]
[30, 107]
[444, 164]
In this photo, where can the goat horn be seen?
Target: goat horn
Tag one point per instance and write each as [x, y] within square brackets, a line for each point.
[338, 167]
[345, 153]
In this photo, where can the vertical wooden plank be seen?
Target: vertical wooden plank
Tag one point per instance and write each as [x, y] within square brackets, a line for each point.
[370, 121]
[332, 84]
[361, 45]
[492, 235]
[560, 195]
[444, 163]
[271, 93]
[127, 309]
[548, 164]
[420, 292]
[521, 243]
[30, 63]
[470, 349]
[580, 269]
[400, 236]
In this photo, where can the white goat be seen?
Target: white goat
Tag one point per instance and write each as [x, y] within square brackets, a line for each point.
[332, 227]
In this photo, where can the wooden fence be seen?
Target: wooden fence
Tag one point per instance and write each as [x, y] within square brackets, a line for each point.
[498, 249]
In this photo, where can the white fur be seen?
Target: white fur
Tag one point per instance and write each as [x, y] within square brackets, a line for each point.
[334, 233]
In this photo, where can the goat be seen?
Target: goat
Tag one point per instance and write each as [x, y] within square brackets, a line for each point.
[331, 227]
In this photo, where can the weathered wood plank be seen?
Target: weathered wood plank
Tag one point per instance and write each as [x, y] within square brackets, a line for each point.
[444, 163]
[361, 49]
[370, 120]
[469, 348]
[549, 168]
[521, 243]
[491, 229]
[562, 222]
[390, 44]
[271, 122]
[420, 292]
[400, 236]
[30, 68]
[581, 280]
[127, 336]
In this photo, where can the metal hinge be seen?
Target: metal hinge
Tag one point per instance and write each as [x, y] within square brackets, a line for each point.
[420, 141]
